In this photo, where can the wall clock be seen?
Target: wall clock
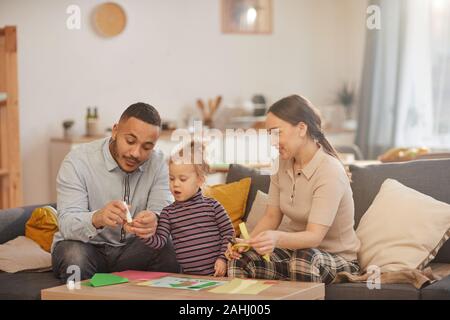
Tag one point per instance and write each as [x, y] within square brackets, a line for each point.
[109, 19]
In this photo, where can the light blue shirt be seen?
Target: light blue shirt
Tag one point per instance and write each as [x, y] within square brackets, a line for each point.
[89, 178]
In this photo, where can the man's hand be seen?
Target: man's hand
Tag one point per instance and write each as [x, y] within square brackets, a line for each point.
[111, 215]
[220, 268]
[143, 225]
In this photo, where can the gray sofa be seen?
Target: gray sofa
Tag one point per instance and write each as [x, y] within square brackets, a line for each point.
[21, 285]
[431, 177]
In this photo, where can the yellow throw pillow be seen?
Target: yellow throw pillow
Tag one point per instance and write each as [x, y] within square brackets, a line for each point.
[41, 227]
[233, 197]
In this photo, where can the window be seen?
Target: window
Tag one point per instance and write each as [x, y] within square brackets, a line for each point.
[440, 51]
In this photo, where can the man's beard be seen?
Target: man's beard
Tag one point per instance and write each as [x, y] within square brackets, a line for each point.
[113, 148]
[115, 153]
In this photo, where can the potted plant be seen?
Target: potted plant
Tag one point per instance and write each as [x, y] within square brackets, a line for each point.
[346, 97]
[67, 125]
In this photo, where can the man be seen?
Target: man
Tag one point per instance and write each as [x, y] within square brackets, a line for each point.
[92, 183]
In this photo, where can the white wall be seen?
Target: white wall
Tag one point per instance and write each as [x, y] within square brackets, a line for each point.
[171, 53]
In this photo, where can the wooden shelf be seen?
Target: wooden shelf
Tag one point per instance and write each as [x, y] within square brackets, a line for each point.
[338, 130]
[165, 134]
[10, 160]
[3, 97]
[78, 139]
[225, 167]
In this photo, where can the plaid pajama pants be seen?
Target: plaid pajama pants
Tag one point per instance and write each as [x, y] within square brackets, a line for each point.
[307, 265]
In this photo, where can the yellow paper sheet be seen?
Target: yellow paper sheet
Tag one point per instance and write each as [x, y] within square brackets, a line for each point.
[246, 235]
[242, 286]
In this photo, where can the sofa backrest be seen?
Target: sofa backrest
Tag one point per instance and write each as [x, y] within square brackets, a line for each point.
[12, 221]
[259, 182]
[431, 177]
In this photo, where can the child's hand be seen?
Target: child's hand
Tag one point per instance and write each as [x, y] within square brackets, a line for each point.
[128, 227]
[235, 253]
[220, 268]
[145, 224]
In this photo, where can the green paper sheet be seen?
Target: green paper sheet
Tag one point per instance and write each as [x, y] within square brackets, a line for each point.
[106, 279]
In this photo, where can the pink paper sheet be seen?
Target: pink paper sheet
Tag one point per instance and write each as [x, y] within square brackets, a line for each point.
[140, 275]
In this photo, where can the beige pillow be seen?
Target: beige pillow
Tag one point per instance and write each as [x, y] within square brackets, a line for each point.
[257, 212]
[402, 229]
[23, 254]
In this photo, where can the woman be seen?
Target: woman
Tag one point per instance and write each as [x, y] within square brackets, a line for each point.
[312, 188]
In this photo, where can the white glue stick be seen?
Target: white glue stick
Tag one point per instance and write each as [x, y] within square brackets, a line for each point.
[129, 218]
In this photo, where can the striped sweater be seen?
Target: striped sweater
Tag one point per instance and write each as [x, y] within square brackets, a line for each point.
[200, 230]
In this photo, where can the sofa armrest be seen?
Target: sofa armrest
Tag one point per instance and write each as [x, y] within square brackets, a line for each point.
[440, 290]
[12, 221]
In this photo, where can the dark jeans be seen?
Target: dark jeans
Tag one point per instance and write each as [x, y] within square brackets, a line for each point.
[92, 258]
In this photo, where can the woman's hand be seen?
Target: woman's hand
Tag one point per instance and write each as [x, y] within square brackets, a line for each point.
[220, 268]
[265, 242]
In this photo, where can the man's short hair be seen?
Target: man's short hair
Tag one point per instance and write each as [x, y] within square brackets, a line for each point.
[142, 111]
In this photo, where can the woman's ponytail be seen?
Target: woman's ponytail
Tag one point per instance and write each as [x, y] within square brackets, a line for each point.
[319, 136]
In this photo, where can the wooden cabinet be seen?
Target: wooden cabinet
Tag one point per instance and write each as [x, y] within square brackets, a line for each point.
[10, 162]
[59, 148]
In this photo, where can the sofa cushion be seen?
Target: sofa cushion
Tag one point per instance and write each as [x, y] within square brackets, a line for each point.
[402, 229]
[359, 291]
[233, 197]
[439, 290]
[22, 254]
[259, 182]
[42, 226]
[431, 177]
[12, 221]
[25, 285]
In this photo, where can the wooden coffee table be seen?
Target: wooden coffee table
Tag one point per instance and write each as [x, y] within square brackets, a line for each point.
[282, 290]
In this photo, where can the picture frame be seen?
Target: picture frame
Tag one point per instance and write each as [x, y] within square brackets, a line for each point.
[247, 16]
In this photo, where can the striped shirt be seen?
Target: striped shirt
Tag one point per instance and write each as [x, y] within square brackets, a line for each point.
[200, 230]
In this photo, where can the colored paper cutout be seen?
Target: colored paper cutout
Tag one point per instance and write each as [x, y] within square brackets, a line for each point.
[242, 286]
[182, 283]
[246, 235]
[133, 275]
[106, 279]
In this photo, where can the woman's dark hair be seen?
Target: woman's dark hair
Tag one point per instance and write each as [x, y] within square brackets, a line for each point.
[295, 109]
[144, 112]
